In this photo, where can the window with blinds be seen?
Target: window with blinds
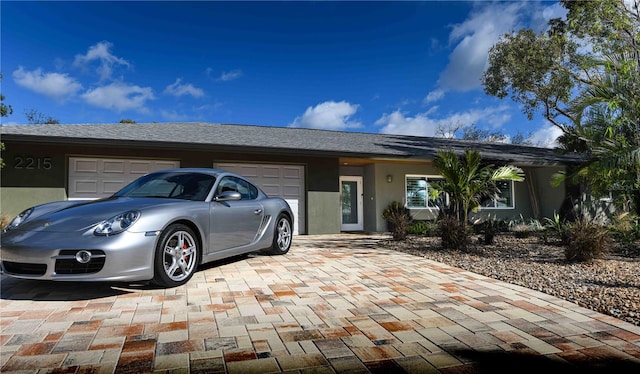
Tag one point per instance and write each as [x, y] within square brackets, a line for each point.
[419, 192]
[504, 200]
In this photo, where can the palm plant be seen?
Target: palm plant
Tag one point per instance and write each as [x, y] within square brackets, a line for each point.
[468, 181]
[607, 130]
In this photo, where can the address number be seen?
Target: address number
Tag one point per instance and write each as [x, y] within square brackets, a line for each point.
[32, 163]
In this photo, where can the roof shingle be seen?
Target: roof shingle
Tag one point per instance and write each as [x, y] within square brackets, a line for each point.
[279, 139]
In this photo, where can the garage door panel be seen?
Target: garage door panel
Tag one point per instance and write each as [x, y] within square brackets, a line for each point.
[86, 187]
[85, 166]
[137, 167]
[271, 190]
[271, 172]
[291, 191]
[291, 173]
[93, 178]
[286, 181]
[248, 171]
[113, 167]
[111, 187]
[161, 165]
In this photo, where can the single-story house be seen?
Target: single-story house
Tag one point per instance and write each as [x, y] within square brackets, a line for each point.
[335, 181]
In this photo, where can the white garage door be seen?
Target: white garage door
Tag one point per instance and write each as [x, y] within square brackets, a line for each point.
[286, 181]
[93, 178]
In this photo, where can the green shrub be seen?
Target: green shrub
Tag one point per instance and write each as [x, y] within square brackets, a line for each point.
[489, 228]
[587, 240]
[398, 219]
[626, 228]
[557, 226]
[454, 235]
[522, 228]
[426, 228]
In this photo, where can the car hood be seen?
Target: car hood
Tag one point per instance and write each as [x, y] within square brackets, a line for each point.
[74, 216]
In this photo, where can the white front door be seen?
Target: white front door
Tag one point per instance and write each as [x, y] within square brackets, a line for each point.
[351, 200]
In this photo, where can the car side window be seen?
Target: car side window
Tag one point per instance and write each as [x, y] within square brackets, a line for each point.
[246, 190]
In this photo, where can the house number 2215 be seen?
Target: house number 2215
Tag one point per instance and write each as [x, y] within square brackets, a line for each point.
[32, 163]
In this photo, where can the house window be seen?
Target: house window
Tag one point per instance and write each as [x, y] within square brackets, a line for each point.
[504, 199]
[418, 192]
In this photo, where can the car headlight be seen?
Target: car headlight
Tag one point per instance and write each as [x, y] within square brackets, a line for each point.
[18, 220]
[117, 224]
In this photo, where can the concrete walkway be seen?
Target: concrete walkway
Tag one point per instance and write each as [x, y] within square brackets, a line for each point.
[334, 304]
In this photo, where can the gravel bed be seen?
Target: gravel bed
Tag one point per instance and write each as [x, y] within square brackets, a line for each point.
[610, 285]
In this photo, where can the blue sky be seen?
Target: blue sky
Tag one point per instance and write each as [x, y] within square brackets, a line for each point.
[402, 67]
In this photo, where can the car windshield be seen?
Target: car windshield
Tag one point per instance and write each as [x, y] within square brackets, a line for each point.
[175, 185]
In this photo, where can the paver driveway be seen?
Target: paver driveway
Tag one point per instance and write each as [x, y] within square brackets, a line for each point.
[337, 303]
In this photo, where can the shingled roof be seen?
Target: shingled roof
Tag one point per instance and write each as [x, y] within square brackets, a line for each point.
[276, 140]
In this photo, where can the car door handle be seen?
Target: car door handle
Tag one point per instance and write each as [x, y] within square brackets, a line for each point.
[257, 211]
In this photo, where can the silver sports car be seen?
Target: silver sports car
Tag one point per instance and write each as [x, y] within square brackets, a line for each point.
[159, 228]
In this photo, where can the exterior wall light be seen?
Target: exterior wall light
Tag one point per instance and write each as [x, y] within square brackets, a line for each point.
[389, 178]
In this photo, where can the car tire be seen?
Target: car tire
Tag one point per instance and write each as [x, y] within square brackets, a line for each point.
[177, 256]
[282, 236]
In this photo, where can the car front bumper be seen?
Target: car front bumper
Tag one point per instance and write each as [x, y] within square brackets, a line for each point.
[127, 256]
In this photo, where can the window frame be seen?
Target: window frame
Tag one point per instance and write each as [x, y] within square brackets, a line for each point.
[426, 178]
[495, 201]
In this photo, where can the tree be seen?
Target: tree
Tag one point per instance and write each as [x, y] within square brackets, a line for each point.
[5, 110]
[127, 120]
[591, 93]
[467, 181]
[477, 134]
[34, 117]
[542, 71]
[608, 131]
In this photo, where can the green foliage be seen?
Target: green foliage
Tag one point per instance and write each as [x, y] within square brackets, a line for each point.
[522, 228]
[398, 219]
[453, 234]
[1, 160]
[467, 181]
[533, 69]
[591, 94]
[606, 132]
[587, 240]
[558, 226]
[35, 117]
[127, 120]
[426, 228]
[489, 228]
[625, 228]
[5, 110]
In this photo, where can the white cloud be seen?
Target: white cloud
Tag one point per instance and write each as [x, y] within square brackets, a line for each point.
[172, 115]
[424, 125]
[329, 115]
[434, 95]
[475, 36]
[119, 96]
[179, 89]
[100, 52]
[230, 75]
[546, 136]
[54, 85]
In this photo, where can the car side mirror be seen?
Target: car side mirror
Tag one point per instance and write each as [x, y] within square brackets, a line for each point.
[228, 196]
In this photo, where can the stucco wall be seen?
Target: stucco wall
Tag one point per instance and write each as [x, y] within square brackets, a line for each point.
[14, 200]
[549, 198]
[323, 213]
[37, 173]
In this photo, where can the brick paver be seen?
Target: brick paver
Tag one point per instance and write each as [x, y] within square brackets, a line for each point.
[334, 304]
